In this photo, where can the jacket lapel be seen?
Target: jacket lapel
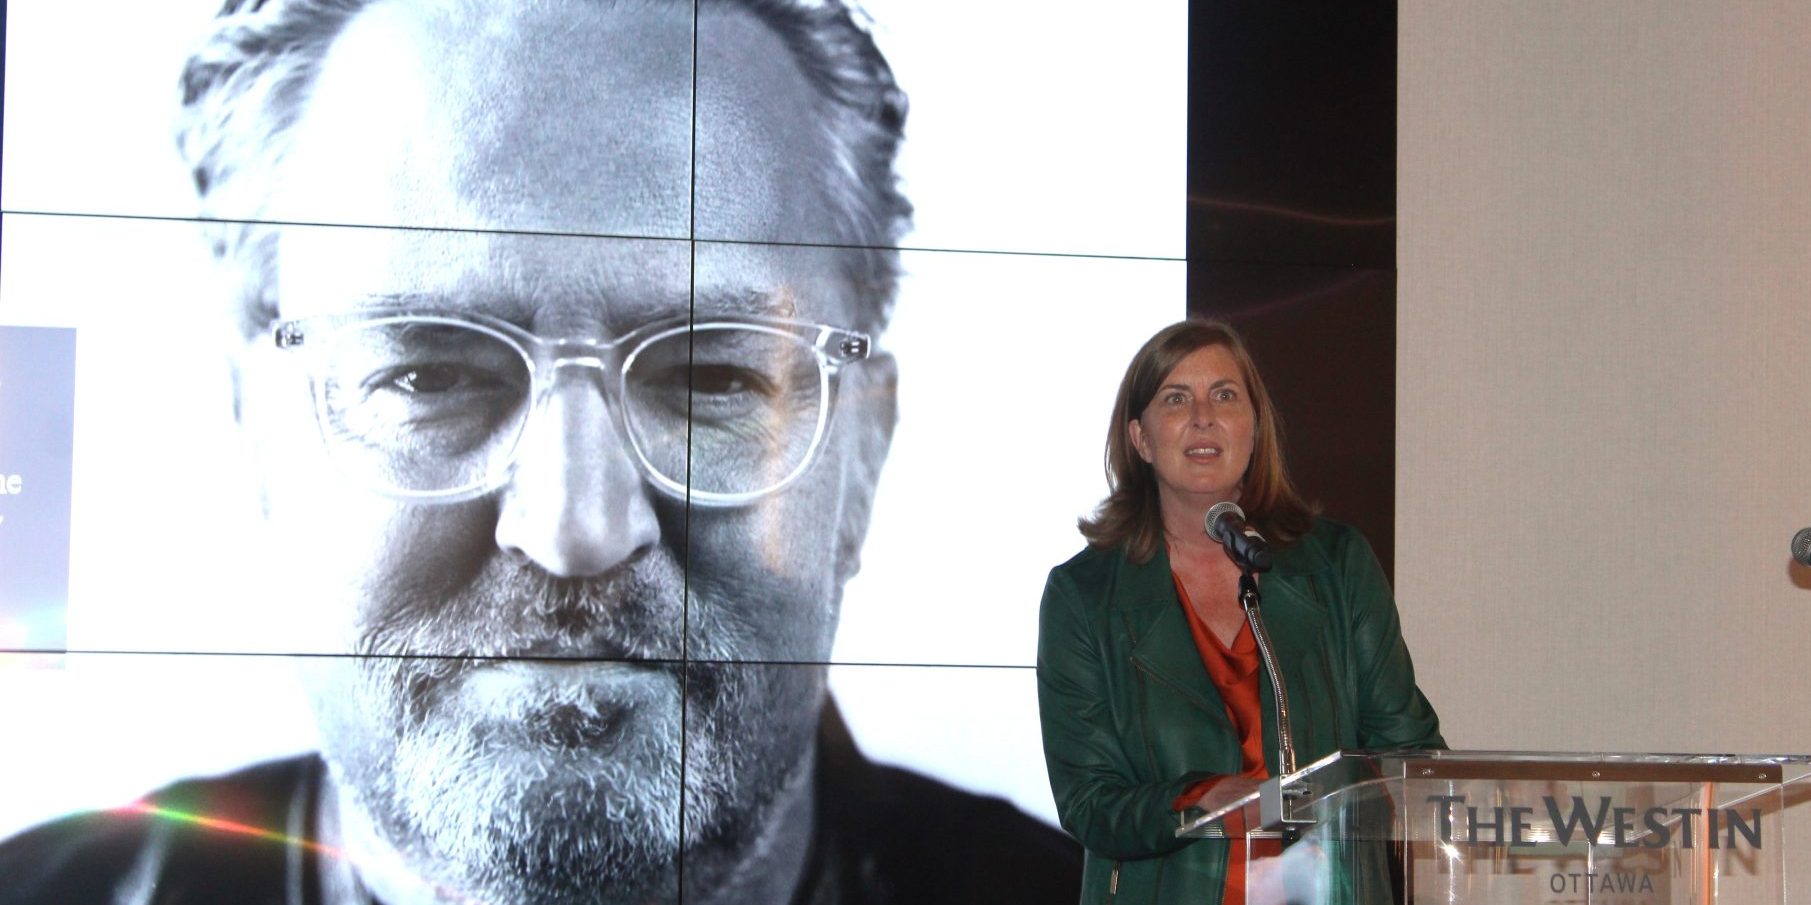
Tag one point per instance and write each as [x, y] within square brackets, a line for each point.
[1295, 620]
[1148, 611]
[1293, 615]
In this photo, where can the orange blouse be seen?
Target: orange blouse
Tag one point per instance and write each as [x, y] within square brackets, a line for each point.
[1234, 672]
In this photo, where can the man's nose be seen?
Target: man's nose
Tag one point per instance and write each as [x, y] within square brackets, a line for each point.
[576, 505]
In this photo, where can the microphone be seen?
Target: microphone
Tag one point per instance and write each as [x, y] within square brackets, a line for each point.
[1801, 547]
[1225, 523]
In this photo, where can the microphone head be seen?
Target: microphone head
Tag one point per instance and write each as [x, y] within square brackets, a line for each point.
[1801, 547]
[1215, 514]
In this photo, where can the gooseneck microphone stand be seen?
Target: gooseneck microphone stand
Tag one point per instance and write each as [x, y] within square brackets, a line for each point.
[1275, 801]
[1225, 523]
[1250, 601]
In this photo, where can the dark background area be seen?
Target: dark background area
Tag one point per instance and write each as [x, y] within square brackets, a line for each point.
[1291, 230]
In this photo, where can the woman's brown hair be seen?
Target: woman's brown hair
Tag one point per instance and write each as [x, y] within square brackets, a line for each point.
[1131, 516]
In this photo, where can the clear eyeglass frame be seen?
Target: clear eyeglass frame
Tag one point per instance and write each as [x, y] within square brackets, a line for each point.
[832, 347]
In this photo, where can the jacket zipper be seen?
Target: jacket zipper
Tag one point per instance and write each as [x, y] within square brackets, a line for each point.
[1113, 884]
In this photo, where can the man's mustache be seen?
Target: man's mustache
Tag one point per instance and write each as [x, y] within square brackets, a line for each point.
[514, 609]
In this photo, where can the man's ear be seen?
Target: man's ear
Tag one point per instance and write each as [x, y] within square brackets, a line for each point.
[871, 404]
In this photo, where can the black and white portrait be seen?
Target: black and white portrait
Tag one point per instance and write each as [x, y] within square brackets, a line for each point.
[569, 450]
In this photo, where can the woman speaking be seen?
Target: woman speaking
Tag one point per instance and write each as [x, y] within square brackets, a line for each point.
[1149, 686]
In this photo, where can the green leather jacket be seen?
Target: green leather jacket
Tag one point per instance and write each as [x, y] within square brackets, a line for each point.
[1131, 719]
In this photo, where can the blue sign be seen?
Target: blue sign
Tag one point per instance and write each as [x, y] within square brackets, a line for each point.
[37, 438]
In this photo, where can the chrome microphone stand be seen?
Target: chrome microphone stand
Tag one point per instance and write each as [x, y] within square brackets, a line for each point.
[1276, 802]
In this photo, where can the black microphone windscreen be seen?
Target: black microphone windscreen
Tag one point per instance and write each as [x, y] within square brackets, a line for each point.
[1801, 547]
[1214, 512]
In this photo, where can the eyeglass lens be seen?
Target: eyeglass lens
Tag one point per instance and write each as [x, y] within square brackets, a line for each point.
[438, 407]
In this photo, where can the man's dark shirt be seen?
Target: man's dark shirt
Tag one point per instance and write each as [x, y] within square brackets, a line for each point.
[885, 836]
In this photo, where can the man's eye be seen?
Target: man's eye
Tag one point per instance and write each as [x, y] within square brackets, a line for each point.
[430, 379]
[730, 380]
[440, 384]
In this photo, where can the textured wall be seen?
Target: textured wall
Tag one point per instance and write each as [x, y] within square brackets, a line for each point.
[1604, 318]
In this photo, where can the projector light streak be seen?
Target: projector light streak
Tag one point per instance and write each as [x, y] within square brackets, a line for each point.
[227, 826]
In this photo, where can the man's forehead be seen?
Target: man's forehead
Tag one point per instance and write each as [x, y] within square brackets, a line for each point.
[545, 156]
[565, 284]
[564, 116]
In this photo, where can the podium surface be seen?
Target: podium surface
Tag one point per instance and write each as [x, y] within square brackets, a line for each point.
[1464, 827]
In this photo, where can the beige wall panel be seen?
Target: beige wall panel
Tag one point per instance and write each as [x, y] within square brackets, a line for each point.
[1604, 434]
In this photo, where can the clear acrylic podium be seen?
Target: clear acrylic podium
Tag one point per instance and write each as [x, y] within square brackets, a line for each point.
[1473, 827]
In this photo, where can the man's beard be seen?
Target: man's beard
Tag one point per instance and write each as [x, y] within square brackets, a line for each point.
[535, 754]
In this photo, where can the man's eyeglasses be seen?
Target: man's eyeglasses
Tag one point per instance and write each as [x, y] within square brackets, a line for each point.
[431, 406]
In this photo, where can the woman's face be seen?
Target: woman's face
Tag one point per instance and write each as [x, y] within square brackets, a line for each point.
[1197, 431]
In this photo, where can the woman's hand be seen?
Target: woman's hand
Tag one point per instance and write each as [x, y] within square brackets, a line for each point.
[1225, 791]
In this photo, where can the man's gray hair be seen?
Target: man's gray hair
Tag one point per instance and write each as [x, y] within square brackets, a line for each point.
[247, 84]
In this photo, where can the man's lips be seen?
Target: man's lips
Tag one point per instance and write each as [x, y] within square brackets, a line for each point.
[577, 705]
[552, 662]
[517, 671]
[522, 687]
[558, 646]
[591, 649]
